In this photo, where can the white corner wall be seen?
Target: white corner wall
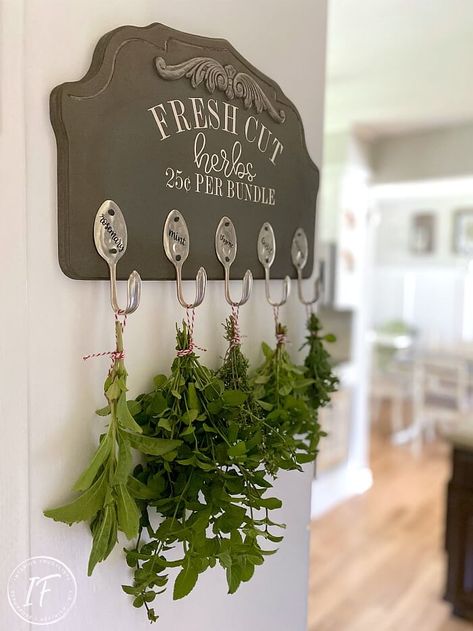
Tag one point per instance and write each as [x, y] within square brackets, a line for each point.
[47, 393]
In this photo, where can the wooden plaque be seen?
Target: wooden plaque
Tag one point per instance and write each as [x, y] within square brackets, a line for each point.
[164, 120]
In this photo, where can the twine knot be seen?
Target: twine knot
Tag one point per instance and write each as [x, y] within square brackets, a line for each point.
[190, 320]
[115, 355]
[281, 337]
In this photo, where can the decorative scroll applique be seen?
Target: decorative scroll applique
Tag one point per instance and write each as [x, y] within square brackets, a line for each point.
[215, 76]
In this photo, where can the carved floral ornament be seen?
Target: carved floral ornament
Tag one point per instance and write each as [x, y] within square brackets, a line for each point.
[215, 76]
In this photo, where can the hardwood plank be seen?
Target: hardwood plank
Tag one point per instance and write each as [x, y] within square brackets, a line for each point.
[377, 561]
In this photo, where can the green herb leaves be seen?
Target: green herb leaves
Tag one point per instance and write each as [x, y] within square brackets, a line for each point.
[185, 580]
[104, 532]
[210, 445]
[317, 365]
[291, 432]
[152, 446]
[101, 456]
[208, 490]
[85, 506]
[105, 500]
[290, 397]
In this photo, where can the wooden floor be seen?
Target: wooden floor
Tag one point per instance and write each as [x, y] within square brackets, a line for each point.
[377, 562]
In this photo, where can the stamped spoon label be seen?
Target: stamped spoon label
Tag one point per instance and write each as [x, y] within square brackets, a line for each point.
[226, 242]
[110, 234]
[176, 238]
[266, 245]
[299, 249]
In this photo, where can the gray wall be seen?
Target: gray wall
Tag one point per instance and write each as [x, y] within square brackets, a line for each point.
[424, 155]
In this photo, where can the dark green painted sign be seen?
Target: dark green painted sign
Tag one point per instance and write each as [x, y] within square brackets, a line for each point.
[164, 120]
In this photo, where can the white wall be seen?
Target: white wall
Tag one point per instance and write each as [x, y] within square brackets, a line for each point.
[429, 292]
[441, 152]
[14, 468]
[395, 217]
[344, 208]
[48, 394]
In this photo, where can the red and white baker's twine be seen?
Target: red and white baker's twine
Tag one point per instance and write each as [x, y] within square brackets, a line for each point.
[114, 355]
[190, 318]
[281, 338]
[236, 338]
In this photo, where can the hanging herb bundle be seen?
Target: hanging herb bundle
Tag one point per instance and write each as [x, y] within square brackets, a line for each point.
[317, 364]
[106, 486]
[205, 491]
[246, 414]
[292, 432]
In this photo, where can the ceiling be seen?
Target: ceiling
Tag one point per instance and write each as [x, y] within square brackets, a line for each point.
[399, 65]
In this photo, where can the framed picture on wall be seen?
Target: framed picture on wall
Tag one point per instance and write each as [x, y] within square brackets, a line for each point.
[463, 231]
[422, 235]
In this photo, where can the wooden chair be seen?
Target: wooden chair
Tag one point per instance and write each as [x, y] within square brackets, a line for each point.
[441, 393]
[391, 379]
